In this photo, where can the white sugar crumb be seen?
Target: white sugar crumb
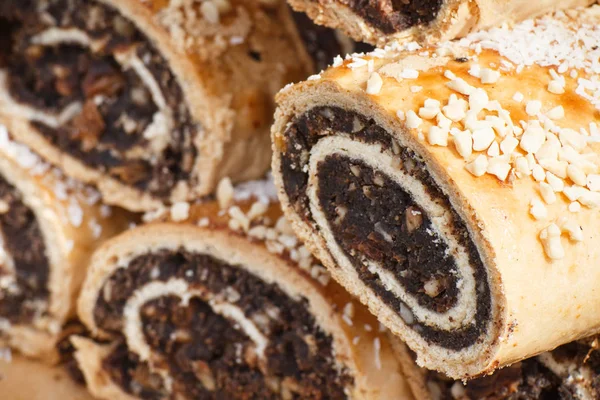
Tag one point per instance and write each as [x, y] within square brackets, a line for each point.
[556, 87]
[498, 167]
[374, 84]
[533, 107]
[180, 211]
[224, 193]
[95, 228]
[377, 350]
[264, 190]
[437, 136]
[412, 120]
[574, 207]
[556, 113]
[4, 207]
[593, 182]
[478, 167]
[236, 40]
[550, 238]
[463, 143]
[349, 309]
[518, 97]
[105, 211]
[489, 76]
[538, 210]
[573, 229]
[204, 222]
[210, 12]
[461, 86]
[547, 193]
[410, 74]
[75, 213]
[6, 354]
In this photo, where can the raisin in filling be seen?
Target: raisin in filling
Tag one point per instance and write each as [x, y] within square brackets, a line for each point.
[382, 223]
[25, 269]
[107, 114]
[208, 355]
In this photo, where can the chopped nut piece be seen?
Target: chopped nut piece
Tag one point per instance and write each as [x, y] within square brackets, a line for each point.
[374, 84]
[494, 150]
[499, 167]
[556, 87]
[533, 107]
[210, 12]
[555, 182]
[547, 193]
[483, 138]
[412, 120]
[437, 136]
[574, 207]
[538, 173]
[180, 211]
[225, 193]
[574, 230]
[518, 97]
[593, 182]
[478, 167]
[489, 76]
[478, 100]
[556, 113]
[533, 138]
[538, 209]
[413, 218]
[459, 85]
[550, 238]
[463, 143]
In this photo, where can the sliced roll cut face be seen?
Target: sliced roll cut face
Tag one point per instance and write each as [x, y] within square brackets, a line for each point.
[203, 312]
[49, 225]
[152, 103]
[382, 22]
[452, 188]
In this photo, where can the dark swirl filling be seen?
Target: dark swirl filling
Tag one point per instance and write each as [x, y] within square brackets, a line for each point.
[24, 287]
[374, 220]
[207, 355]
[532, 379]
[115, 105]
[390, 16]
[324, 44]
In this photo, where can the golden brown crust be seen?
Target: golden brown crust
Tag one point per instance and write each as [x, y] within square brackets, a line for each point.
[497, 212]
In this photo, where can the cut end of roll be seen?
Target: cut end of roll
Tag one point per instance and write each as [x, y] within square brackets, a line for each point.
[96, 88]
[376, 22]
[48, 225]
[438, 194]
[393, 236]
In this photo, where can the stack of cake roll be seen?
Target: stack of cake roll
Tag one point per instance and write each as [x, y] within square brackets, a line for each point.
[455, 190]
[245, 199]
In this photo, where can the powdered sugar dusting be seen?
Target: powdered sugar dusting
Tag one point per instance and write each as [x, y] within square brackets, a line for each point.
[264, 190]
